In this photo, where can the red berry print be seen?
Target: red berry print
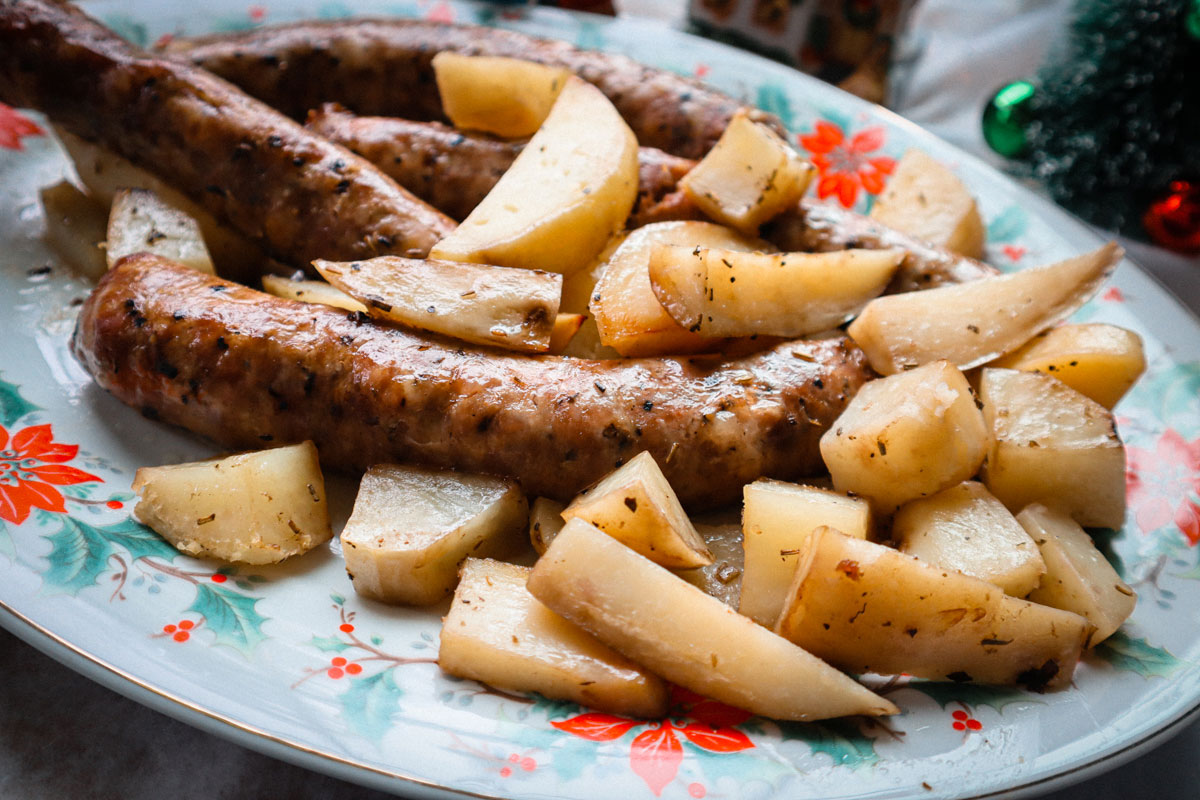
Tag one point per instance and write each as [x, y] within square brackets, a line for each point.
[353, 669]
[697, 790]
[1113, 295]
[115, 504]
[528, 764]
[346, 627]
[1014, 251]
[179, 631]
[219, 578]
[965, 722]
[334, 672]
[505, 772]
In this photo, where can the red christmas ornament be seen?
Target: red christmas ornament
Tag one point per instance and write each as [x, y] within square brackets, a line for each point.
[1173, 220]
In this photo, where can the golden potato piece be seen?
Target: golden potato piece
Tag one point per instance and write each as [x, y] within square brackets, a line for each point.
[76, 228]
[966, 529]
[1052, 445]
[256, 508]
[686, 636]
[906, 436]
[1101, 361]
[411, 528]
[868, 608]
[636, 506]
[926, 200]
[750, 175]
[569, 190]
[509, 97]
[498, 634]
[545, 521]
[142, 222]
[310, 292]
[972, 323]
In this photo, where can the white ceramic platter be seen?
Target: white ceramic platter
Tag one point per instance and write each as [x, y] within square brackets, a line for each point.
[289, 661]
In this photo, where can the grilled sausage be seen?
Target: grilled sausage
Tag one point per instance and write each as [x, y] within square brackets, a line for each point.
[453, 171]
[246, 369]
[383, 67]
[298, 194]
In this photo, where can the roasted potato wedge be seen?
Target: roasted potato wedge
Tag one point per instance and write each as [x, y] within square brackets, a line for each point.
[906, 436]
[76, 228]
[568, 191]
[1052, 445]
[545, 521]
[777, 519]
[972, 323]
[717, 292]
[509, 97]
[868, 608]
[636, 506]
[256, 508]
[750, 175]
[142, 222]
[411, 528]
[1078, 577]
[686, 636]
[966, 529]
[510, 308]
[926, 200]
[564, 330]
[1101, 361]
[310, 292]
[498, 634]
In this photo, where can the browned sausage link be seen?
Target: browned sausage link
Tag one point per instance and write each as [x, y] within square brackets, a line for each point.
[382, 67]
[452, 170]
[817, 227]
[246, 369]
[300, 195]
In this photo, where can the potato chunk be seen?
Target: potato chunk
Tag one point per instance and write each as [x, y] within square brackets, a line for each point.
[1101, 361]
[310, 292]
[563, 331]
[777, 519]
[629, 316]
[510, 308]
[411, 528]
[972, 323]
[256, 508]
[1078, 577]
[568, 191]
[715, 292]
[76, 227]
[141, 222]
[723, 577]
[926, 200]
[1052, 445]
[750, 175]
[509, 97]
[868, 608]
[906, 436]
[965, 529]
[689, 638]
[545, 521]
[499, 634]
[636, 506]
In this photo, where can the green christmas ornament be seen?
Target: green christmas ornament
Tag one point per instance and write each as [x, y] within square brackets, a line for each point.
[1006, 119]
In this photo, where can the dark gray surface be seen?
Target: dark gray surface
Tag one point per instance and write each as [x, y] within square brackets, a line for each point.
[64, 737]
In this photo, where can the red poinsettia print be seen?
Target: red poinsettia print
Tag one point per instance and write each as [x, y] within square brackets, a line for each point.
[14, 127]
[656, 753]
[1163, 486]
[31, 465]
[847, 166]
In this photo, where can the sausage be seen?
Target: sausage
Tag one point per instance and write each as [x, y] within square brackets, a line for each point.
[452, 170]
[250, 370]
[298, 194]
[383, 67]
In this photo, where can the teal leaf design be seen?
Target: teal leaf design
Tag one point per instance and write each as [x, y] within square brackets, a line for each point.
[333, 10]
[590, 36]
[1124, 652]
[6, 543]
[139, 541]
[774, 100]
[970, 694]
[329, 644]
[841, 740]
[12, 405]
[128, 29]
[79, 554]
[338, 599]
[370, 703]
[1008, 226]
[231, 616]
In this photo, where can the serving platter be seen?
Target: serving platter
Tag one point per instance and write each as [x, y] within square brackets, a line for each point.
[288, 661]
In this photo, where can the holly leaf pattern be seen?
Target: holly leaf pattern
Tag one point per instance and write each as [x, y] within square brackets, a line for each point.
[139, 541]
[12, 405]
[774, 100]
[655, 756]
[973, 695]
[79, 554]
[229, 615]
[596, 726]
[329, 644]
[1124, 652]
[1008, 225]
[841, 740]
[370, 703]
